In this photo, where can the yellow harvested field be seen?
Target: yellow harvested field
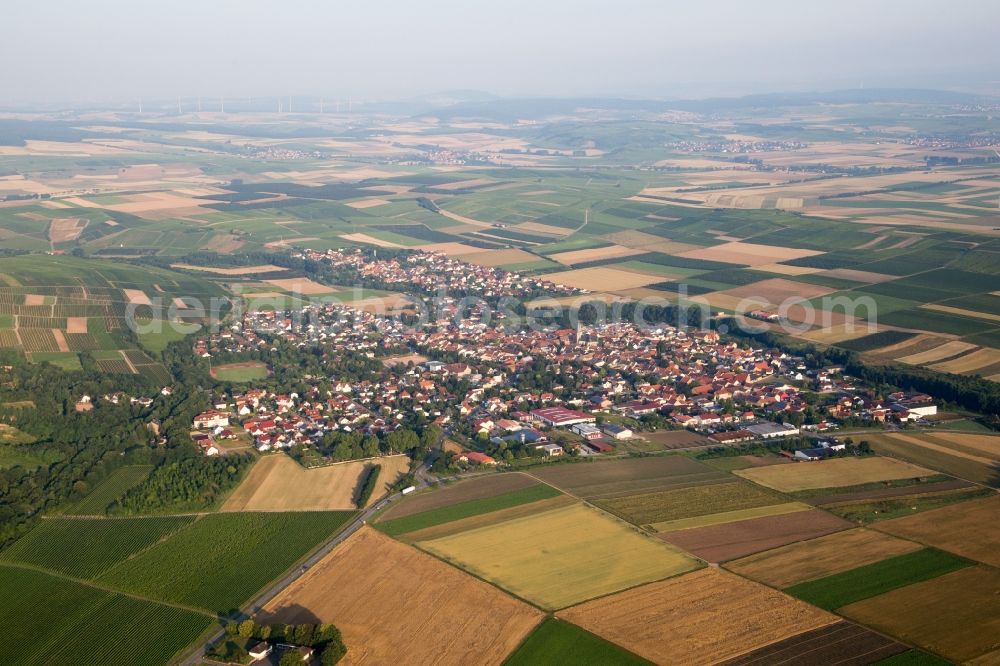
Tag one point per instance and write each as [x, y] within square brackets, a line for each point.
[701, 618]
[465, 220]
[980, 358]
[956, 615]
[493, 258]
[66, 229]
[367, 203]
[60, 340]
[397, 605]
[535, 227]
[278, 483]
[137, 297]
[76, 324]
[784, 269]
[820, 557]
[751, 254]
[947, 350]
[969, 529]
[961, 311]
[302, 286]
[839, 332]
[648, 242]
[774, 292]
[464, 184]
[242, 270]
[563, 556]
[452, 249]
[370, 240]
[592, 254]
[946, 443]
[603, 278]
[832, 473]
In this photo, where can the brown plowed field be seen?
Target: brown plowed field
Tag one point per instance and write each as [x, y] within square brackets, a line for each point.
[720, 543]
[842, 643]
[630, 476]
[396, 605]
[700, 618]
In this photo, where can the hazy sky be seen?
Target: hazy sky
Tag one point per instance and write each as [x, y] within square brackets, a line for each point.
[102, 50]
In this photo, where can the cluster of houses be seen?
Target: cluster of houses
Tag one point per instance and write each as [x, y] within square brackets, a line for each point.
[730, 392]
[434, 273]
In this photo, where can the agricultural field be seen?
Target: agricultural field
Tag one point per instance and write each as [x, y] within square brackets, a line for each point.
[80, 619]
[733, 540]
[278, 483]
[837, 643]
[87, 548]
[220, 561]
[956, 615]
[387, 593]
[655, 509]
[562, 556]
[632, 476]
[817, 558]
[555, 641]
[59, 306]
[832, 473]
[677, 611]
[970, 456]
[870, 580]
[949, 528]
[110, 489]
[456, 512]
[463, 491]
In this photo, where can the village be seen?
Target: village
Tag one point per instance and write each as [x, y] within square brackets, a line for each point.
[503, 394]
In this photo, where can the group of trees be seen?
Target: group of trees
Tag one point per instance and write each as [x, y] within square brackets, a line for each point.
[325, 639]
[187, 484]
[368, 485]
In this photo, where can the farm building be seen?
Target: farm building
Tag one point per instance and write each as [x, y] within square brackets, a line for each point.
[732, 436]
[552, 450]
[772, 430]
[617, 432]
[260, 651]
[560, 416]
[586, 430]
[600, 447]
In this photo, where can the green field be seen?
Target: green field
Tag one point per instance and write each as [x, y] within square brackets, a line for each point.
[558, 642]
[877, 578]
[50, 621]
[220, 561]
[107, 491]
[240, 374]
[689, 502]
[419, 521]
[86, 548]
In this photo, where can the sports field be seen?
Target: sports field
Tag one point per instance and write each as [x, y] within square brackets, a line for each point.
[702, 617]
[832, 473]
[240, 372]
[561, 557]
[278, 483]
[388, 593]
